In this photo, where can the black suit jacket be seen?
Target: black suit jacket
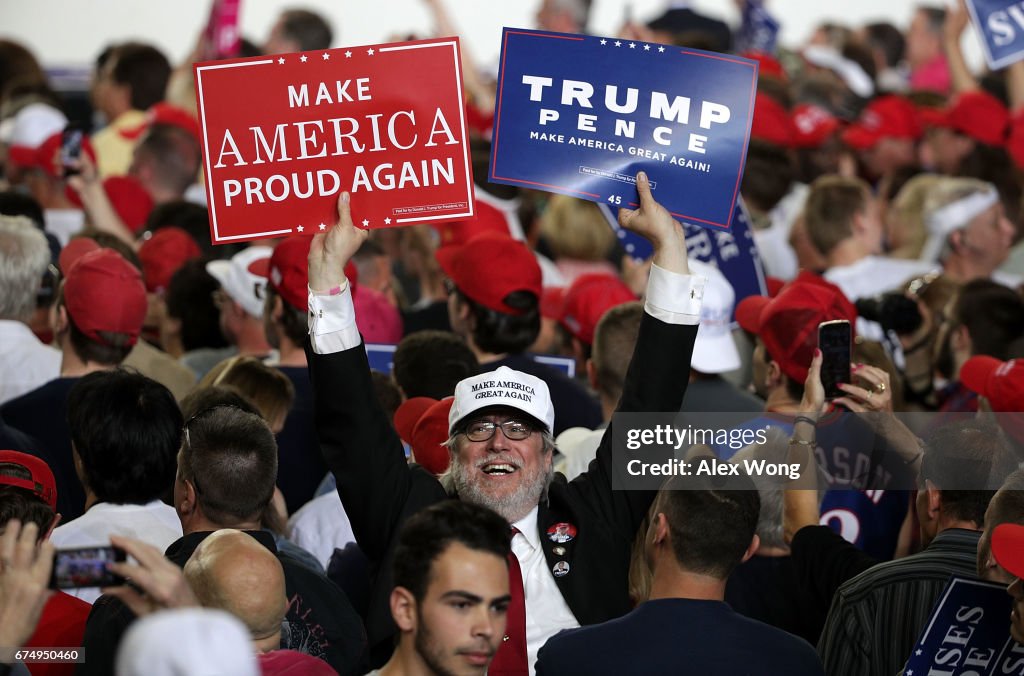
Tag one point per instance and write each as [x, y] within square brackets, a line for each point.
[380, 490]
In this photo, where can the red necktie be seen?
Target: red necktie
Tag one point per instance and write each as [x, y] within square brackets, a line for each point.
[511, 660]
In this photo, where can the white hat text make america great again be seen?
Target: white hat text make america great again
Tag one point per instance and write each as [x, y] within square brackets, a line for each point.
[503, 387]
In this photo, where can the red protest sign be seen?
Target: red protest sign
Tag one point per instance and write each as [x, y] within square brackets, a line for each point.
[284, 135]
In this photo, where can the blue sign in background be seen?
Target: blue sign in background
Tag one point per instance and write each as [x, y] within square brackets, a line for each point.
[973, 618]
[1000, 24]
[734, 252]
[593, 151]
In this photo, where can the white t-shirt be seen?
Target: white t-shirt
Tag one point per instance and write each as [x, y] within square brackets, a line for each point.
[873, 275]
[321, 526]
[25, 362]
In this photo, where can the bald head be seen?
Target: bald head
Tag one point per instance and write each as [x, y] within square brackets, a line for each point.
[231, 571]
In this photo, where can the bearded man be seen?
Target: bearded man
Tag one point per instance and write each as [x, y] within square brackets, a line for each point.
[571, 540]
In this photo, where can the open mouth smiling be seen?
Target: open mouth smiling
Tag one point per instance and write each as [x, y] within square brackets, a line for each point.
[498, 468]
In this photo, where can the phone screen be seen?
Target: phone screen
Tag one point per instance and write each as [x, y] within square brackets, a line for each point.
[834, 343]
[71, 150]
[85, 567]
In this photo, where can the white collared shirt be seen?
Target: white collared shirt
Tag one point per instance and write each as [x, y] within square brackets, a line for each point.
[25, 362]
[547, 613]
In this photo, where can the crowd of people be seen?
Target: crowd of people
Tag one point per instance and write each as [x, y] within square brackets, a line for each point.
[211, 411]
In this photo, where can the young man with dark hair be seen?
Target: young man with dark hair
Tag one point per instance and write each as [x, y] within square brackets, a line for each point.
[100, 308]
[430, 363]
[698, 535]
[500, 428]
[125, 430]
[131, 78]
[451, 594]
[497, 311]
[227, 465]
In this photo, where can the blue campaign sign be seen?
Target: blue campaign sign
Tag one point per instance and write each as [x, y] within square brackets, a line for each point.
[734, 252]
[581, 115]
[968, 633]
[381, 357]
[1000, 24]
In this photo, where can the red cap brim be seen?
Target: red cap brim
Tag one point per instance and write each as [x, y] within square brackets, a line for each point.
[976, 371]
[748, 313]
[859, 138]
[1008, 547]
[409, 413]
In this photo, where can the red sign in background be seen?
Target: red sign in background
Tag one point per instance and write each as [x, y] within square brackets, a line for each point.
[284, 135]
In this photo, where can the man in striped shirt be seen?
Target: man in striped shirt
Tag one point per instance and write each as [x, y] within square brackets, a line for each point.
[877, 616]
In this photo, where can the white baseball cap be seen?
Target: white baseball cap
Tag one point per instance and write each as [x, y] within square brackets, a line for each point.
[32, 125]
[503, 387]
[715, 351]
[244, 277]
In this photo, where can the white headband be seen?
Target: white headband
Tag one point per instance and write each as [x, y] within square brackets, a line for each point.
[952, 217]
[849, 71]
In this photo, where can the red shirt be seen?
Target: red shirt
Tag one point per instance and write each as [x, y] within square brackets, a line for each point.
[61, 625]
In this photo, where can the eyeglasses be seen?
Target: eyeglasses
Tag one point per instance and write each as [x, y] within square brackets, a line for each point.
[482, 430]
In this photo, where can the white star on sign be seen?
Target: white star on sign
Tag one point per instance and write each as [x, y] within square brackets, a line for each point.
[387, 221]
[618, 44]
[365, 223]
[918, 653]
[302, 58]
[326, 56]
[299, 229]
[281, 60]
[661, 49]
[323, 226]
[632, 45]
[370, 51]
[647, 48]
[604, 42]
[348, 55]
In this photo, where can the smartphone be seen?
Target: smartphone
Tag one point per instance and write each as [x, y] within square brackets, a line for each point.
[834, 342]
[71, 149]
[85, 567]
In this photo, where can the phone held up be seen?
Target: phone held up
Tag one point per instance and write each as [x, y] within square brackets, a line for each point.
[71, 149]
[834, 341]
[85, 567]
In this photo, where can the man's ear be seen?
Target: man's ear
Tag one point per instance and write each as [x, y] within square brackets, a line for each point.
[277, 311]
[659, 528]
[773, 374]
[934, 499]
[60, 320]
[755, 544]
[591, 373]
[403, 609]
[189, 502]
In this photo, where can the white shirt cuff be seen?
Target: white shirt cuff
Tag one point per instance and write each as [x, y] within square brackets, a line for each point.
[674, 298]
[332, 321]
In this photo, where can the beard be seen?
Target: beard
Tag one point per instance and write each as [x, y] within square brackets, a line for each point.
[470, 484]
[441, 661]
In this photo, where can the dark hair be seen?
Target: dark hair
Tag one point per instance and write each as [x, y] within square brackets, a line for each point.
[936, 17]
[144, 69]
[212, 396]
[499, 332]
[768, 176]
[230, 456]
[428, 533]
[111, 352]
[126, 429]
[25, 506]
[387, 393]
[293, 323]
[614, 342]
[888, 39]
[193, 219]
[110, 241]
[993, 315]
[862, 56]
[1008, 505]
[994, 165]
[431, 363]
[711, 529]
[967, 461]
[308, 29]
[173, 154]
[189, 299]
[17, 204]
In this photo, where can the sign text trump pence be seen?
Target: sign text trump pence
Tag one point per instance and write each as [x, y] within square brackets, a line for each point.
[581, 115]
[284, 135]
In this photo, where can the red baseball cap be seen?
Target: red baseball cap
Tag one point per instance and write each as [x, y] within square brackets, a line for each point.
[165, 113]
[104, 292]
[40, 481]
[788, 323]
[47, 155]
[1001, 382]
[75, 249]
[886, 116]
[1008, 547]
[423, 423]
[488, 219]
[586, 301]
[768, 65]
[489, 267]
[812, 125]
[163, 254]
[771, 122]
[978, 115]
[130, 200]
[552, 302]
[289, 271]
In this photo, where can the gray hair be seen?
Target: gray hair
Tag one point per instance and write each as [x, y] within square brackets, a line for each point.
[451, 443]
[579, 10]
[24, 257]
